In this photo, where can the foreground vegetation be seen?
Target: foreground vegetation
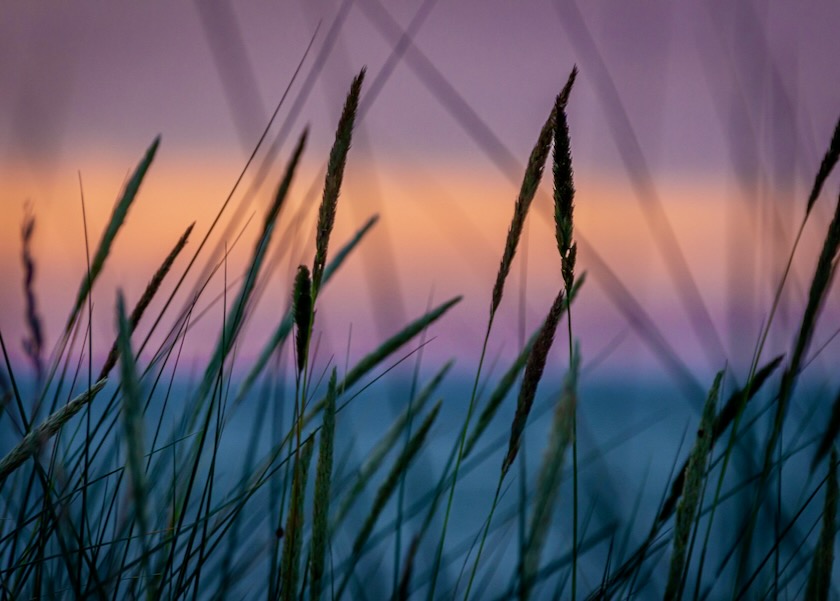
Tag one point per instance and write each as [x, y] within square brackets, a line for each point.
[114, 487]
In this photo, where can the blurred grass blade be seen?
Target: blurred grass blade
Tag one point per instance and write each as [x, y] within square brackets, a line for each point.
[332, 182]
[830, 433]
[820, 284]
[819, 580]
[323, 477]
[548, 479]
[386, 444]
[118, 216]
[374, 358]
[533, 374]
[293, 541]
[385, 491]
[826, 166]
[37, 437]
[733, 406]
[132, 413]
[690, 499]
[33, 344]
[236, 314]
[148, 294]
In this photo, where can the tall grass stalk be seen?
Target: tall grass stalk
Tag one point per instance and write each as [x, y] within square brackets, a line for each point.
[528, 189]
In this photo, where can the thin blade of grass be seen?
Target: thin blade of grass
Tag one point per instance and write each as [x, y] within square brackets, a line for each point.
[690, 499]
[820, 284]
[323, 477]
[386, 444]
[548, 479]
[374, 358]
[148, 294]
[116, 221]
[237, 312]
[819, 580]
[386, 490]
[332, 182]
[508, 379]
[293, 542]
[133, 430]
[830, 433]
[733, 406]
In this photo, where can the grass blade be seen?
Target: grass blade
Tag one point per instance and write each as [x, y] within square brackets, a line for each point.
[530, 183]
[826, 166]
[830, 433]
[323, 476]
[687, 509]
[37, 437]
[819, 580]
[386, 490]
[118, 217]
[293, 543]
[148, 294]
[133, 429]
[548, 480]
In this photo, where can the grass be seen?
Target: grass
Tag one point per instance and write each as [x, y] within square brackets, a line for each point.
[126, 486]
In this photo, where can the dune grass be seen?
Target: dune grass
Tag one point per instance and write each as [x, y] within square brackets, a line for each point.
[126, 486]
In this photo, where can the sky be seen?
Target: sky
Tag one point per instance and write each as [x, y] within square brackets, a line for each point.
[696, 130]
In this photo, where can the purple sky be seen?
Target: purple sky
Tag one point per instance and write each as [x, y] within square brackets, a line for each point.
[736, 99]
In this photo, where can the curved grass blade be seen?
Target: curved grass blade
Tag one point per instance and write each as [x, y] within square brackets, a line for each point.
[293, 542]
[385, 491]
[148, 294]
[733, 406]
[118, 216]
[832, 154]
[819, 580]
[687, 508]
[133, 429]
[37, 437]
[389, 440]
[548, 480]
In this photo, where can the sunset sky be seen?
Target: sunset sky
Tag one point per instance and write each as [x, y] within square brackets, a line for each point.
[696, 130]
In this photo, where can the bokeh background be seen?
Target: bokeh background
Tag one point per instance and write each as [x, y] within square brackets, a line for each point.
[696, 130]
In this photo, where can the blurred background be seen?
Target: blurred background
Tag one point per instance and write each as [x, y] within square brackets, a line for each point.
[697, 128]
[696, 131]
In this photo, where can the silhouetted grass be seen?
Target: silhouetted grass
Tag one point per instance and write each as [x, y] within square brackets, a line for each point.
[137, 496]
